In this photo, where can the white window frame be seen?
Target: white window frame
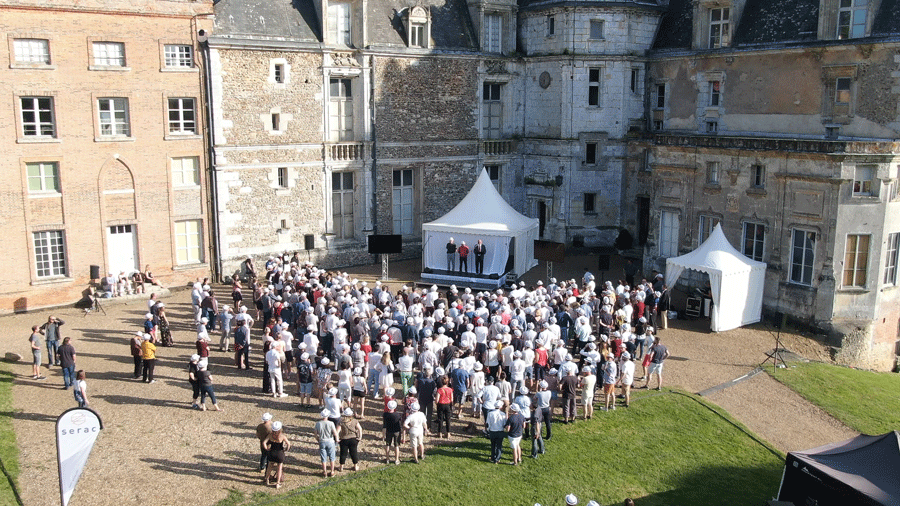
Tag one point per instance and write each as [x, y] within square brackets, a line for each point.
[283, 175]
[31, 51]
[113, 118]
[47, 177]
[864, 181]
[595, 77]
[707, 225]
[180, 125]
[178, 56]
[719, 27]
[493, 32]
[713, 172]
[758, 175]
[188, 242]
[856, 261]
[807, 260]
[403, 202]
[851, 18]
[108, 54]
[715, 93]
[340, 26]
[184, 174]
[890, 259]
[49, 254]
[42, 110]
[669, 233]
[417, 35]
[343, 205]
[596, 29]
[340, 109]
[753, 246]
[492, 110]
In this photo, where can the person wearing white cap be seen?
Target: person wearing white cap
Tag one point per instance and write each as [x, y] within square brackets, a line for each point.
[148, 357]
[515, 429]
[350, 433]
[392, 423]
[327, 436]
[587, 382]
[305, 379]
[274, 359]
[571, 500]
[262, 433]
[542, 412]
[610, 375]
[206, 387]
[225, 318]
[194, 380]
[276, 443]
[323, 379]
[417, 425]
[626, 376]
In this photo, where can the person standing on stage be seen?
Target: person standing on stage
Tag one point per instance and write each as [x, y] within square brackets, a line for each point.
[451, 256]
[463, 257]
[479, 251]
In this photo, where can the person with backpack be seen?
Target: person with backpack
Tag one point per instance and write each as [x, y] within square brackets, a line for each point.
[304, 380]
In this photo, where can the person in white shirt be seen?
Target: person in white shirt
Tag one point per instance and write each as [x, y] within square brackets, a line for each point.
[517, 371]
[273, 361]
[417, 426]
[626, 376]
[588, 382]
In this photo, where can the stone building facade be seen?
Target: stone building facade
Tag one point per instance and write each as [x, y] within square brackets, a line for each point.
[780, 122]
[104, 154]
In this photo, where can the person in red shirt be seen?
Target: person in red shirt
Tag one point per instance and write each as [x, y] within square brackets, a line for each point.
[444, 397]
[463, 251]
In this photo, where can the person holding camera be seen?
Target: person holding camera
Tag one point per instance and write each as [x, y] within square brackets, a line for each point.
[50, 330]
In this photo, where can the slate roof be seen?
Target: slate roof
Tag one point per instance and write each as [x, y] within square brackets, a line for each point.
[297, 20]
[288, 19]
[546, 4]
[451, 27]
[675, 28]
[766, 22]
[887, 21]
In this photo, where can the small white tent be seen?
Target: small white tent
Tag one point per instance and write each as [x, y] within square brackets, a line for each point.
[482, 214]
[736, 281]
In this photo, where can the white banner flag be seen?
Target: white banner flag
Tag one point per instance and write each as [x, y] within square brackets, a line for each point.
[76, 431]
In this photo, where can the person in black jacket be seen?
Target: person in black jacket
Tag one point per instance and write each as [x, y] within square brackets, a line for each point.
[451, 255]
[479, 250]
[662, 307]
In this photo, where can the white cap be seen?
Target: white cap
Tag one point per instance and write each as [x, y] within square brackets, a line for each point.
[276, 426]
[571, 500]
[266, 417]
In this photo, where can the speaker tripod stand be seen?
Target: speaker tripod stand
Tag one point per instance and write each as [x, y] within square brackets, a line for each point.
[95, 303]
[775, 355]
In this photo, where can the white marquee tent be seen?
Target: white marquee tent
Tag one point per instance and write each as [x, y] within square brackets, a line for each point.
[482, 214]
[736, 281]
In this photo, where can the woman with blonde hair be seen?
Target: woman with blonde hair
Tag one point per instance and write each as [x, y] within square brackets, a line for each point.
[386, 372]
[276, 443]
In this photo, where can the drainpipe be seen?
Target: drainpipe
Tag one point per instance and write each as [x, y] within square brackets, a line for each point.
[212, 187]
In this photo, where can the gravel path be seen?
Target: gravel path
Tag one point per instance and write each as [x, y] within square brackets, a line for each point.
[155, 450]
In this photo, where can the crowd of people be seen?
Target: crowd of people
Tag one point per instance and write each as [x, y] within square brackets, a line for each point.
[513, 362]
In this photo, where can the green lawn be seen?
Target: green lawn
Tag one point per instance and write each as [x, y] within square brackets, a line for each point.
[865, 401]
[668, 449]
[9, 452]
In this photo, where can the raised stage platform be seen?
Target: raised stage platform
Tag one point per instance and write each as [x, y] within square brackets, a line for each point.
[463, 279]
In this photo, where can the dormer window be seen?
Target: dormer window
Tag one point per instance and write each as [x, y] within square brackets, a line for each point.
[339, 24]
[418, 27]
[851, 23]
[720, 27]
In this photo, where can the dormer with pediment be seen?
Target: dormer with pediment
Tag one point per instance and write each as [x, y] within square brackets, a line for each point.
[495, 25]
[715, 22]
[417, 26]
[343, 22]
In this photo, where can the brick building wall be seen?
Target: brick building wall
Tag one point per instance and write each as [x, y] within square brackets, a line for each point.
[102, 181]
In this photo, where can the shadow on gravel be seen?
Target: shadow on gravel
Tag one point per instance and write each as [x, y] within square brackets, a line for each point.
[37, 417]
[127, 399]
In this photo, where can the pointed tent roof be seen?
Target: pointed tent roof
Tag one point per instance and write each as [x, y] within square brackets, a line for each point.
[717, 254]
[483, 210]
[867, 463]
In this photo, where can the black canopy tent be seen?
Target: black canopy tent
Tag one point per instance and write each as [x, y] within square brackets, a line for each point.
[864, 470]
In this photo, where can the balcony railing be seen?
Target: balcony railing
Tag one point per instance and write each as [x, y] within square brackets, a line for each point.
[495, 147]
[347, 151]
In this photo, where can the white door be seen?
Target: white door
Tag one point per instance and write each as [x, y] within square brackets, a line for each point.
[122, 248]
